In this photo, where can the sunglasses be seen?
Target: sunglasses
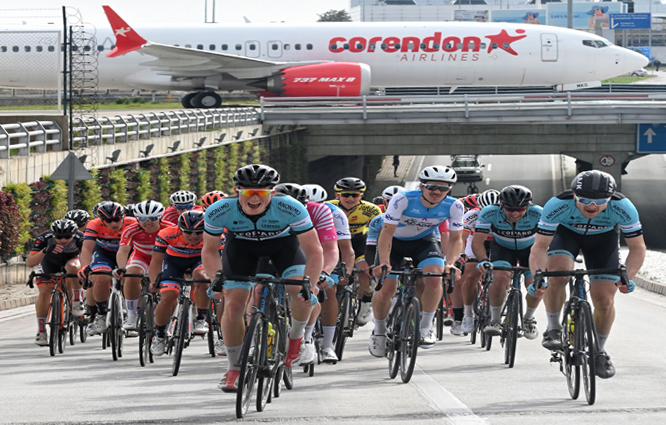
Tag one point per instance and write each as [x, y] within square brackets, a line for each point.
[252, 192]
[113, 220]
[440, 187]
[523, 209]
[350, 195]
[144, 219]
[191, 232]
[183, 207]
[588, 201]
[63, 236]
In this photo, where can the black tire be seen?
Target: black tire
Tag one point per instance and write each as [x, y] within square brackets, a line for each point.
[571, 364]
[472, 335]
[73, 331]
[342, 326]
[182, 330]
[249, 364]
[150, 327]
[588, 352]
[489, 341]
[54, 324]
[265, 380]
[277, 382]
[288, 378]
[112, 329]
[206, 99]
[410, 335]
[211, 332]
[511, 329]
[64, 323]
[393, 341]
[83, 336]
[145, 334]
[439, 319]
[186, 101]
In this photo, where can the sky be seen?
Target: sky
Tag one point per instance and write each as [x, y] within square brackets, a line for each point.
[137, 12]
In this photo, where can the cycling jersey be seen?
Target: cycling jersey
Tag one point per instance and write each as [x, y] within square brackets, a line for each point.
[562, 209]
[517, 236]
[360, 216]
[171, 242]
[322, 219]
[340, 221]
[142, 241]
[415, 221]
[469, 226]
[104, 237]
[53, 263]
[377, 223]
[282, 214]
[171, 214]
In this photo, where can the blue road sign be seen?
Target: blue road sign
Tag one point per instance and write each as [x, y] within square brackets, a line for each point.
[651, 138]
[630, 21]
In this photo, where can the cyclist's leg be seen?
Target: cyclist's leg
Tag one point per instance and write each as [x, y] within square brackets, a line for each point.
[45, 288]
[169, 293]
[138, 263]
[74, 285]
[201, 300]
[102, 260]
[329, 316]
[381, 304]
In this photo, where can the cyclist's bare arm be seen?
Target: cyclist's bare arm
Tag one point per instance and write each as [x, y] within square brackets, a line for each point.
[86, 252]
[330, 249]
[636, 255]
[455, 247]
[34, 258]
[478, 245]
[384, 244]
[346, 251]
[155, 265]
[314, 254]
[210, 254]
[122, 256]
[539, 253]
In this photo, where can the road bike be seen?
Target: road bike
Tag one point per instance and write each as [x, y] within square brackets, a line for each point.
[482, 312]
[146, 325]
[350, 306]
[444, 312]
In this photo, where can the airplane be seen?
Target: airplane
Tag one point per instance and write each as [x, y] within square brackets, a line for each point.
[344, 59]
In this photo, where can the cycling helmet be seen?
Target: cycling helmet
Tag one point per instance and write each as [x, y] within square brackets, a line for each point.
[129, 210]
[256, 175]
[110, 211]
[470, 202]
[191, 221]
[489, 197]
[211, 197]
[593, 184]
[316, 193]
[294, 190]
[95, 208]
[80, 217]
[183, 197]
[515, 196]
[350, 184]
[64, 226]
[378, 200]
[149, 209]
[390, 191]
[438, 173]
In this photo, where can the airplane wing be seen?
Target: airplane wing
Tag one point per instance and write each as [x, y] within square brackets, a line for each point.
[186, 62]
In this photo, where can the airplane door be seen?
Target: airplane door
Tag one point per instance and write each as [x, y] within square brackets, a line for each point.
[252, 49]
[549, 47]
[274, 49]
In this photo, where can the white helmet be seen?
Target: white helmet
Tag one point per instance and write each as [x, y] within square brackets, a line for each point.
[316, 192]
[148, 209]
[388, 193]
[438, 173]
[183, 197]
[489, 197]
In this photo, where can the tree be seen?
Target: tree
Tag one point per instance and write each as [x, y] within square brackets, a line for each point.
[10, 223]
[334, 16]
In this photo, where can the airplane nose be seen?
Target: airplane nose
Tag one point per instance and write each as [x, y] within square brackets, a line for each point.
[632, 60]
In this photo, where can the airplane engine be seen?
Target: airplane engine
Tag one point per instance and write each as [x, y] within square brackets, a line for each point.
[323, 79]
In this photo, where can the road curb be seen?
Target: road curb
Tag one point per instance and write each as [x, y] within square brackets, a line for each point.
[656, 287]
[17, 302]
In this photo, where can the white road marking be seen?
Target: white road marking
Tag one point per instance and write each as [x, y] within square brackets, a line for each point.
[487, 181]
[442, 400]
[490, 167]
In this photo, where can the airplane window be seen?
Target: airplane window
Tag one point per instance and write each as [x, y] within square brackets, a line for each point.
[238, 47]
[211, 47]
[589, 43]
[287, 47]
[345, 46]
[435, 46]
[371, 46]
[298, 47]
[334, 46]
[309, 46]
[75, 48]
[27, 48]
[493, 45]
[410, 45]
[459, 46]
[39, 48]
[176, 45]
[3, 49]
[51, 49]
[86, 48]
[506, 45]
[397, 45]
[15, 49]
[483, 45]
[599, 44]
[224, 47]
[274, 46]
[448, 46]
[359, 46]
[200, 46]
[100, 48]
[384, 46]
[188, 46]
[423, 46]
[253, 47]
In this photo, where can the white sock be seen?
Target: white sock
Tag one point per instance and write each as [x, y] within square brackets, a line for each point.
[380, 327]
[297, 328]
[469, 310]
[553, 320]
[426, 320]
[529, 312]
[495, 313]
[232, 357]
[132, 306]
[329, 333]
[308, 333]
[602, 341]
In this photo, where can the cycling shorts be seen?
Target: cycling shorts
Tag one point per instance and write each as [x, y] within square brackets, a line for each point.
[103, 260]
[601, 251]
[505, 257]
[139, 259]
[358, 245]
[51, 267]
[173, 266]
[423, 252]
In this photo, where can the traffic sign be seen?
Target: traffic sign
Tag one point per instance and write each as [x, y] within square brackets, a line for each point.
[650, 138]
[71, 169]
[630, 21]
[607, 161]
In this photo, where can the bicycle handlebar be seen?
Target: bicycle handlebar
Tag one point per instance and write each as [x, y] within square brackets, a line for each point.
[619, 271]
[306, 291]
[452, 279]
[33, 275]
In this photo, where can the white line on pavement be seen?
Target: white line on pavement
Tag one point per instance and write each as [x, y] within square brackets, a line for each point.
[487, 181]
[16, 313]
[490, 167]
[441, 399]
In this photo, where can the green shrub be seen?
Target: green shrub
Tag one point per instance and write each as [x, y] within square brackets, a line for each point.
[118, 186]
[58, 189]
[163, 180]
[144, 190]
[10, 222]
[91, 193]
[220, 166]
[184, 171]
[22, 194]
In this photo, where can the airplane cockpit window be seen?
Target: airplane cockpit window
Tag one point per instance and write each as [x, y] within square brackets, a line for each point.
[600, 44]
[200, 46]
[224, 47]
[15, 49]
[27, 48]
[211, 47]
[589, 43]
[238, 46]
[297, 46]
[309, 46]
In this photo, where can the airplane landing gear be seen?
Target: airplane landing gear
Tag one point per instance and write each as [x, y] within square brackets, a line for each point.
[471, 189]
[203, 100]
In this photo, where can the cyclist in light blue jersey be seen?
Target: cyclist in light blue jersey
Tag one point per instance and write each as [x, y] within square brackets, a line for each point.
[409, 231]
[513, 225]
[585, 219]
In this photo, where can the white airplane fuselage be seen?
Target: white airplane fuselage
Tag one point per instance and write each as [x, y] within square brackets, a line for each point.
[401, 54]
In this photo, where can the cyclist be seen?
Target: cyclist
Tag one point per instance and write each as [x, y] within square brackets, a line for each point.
[376, 224]
[181, 201]
[80, 217]
[513, 225]
[135, 253]
[101, 241]
[348, 194]
[176, 250]
[54, 250]
[211, 197]
[259, 224]
[584, 219]
[409, 231]
[129, 210]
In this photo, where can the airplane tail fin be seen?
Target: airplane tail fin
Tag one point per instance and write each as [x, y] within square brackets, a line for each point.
[127, 40]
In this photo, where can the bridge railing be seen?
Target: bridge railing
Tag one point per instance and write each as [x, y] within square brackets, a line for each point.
[20, 139]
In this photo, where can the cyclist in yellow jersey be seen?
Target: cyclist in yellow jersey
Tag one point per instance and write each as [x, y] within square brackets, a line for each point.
[348, 194]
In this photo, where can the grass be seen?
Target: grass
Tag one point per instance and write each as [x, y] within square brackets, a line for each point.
[123, 106]
[626, 80]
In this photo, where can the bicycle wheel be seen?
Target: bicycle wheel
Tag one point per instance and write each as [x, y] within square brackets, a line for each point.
[393, 341]
[83, 336]
[73, 331]
[54, 323]
[112, 329]
[472, 335]
[511, 329]
[144, 342]
[410, 335]
[265, 362]
[249, 364]
[64, 325]
[342, 325]
[182, 330]
[569, 355]
[587, 352]
[211, 332]
[439, 319]
[150, 327]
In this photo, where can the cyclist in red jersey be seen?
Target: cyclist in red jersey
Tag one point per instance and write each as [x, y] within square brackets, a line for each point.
[100, 245]
[181, 201]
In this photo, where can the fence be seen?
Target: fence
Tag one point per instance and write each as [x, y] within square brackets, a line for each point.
[21, 138]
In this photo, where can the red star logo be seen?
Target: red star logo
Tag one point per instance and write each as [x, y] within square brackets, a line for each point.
[503, 41]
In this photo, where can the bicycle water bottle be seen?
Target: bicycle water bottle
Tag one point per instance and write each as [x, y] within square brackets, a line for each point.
[570, 323]
[271, 336]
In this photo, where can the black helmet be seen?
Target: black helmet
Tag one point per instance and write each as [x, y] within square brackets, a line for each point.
[256, 175]
[129, 210]
[515, 196]
[191, 221]
[378, 200]
[80, 217]
[95, 208]
[350, 183]
[110, 210]
[593, 184]
[64, 227]
[294, 190]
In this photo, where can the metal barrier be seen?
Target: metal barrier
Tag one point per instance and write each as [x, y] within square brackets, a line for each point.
[21, 139]
[127, 128]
